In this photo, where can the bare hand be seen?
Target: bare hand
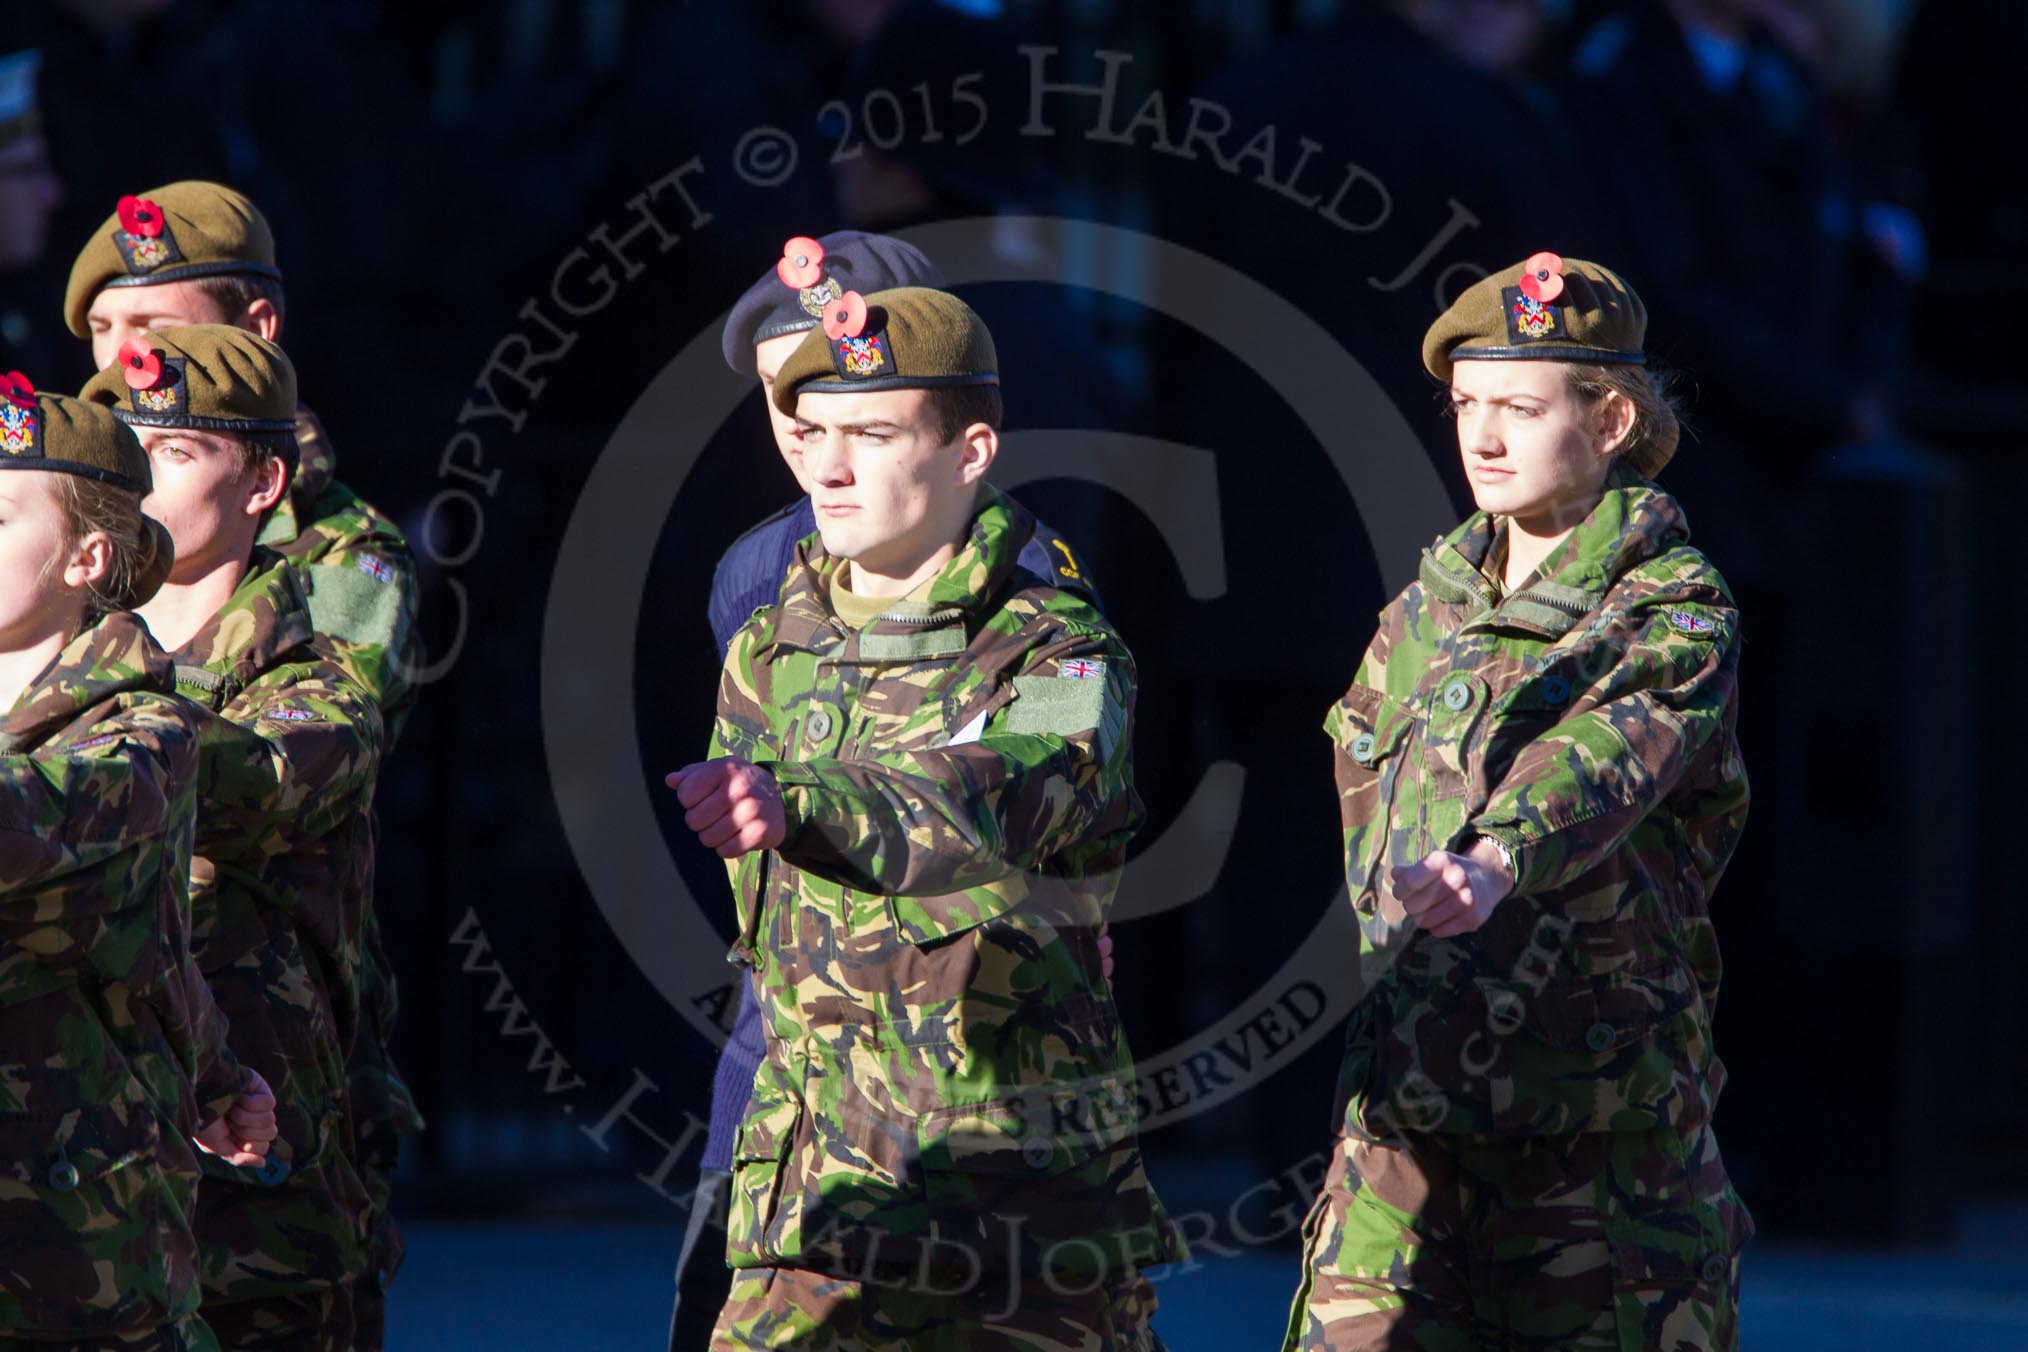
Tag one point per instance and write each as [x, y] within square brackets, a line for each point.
[243, 1135]
[733, 805]
[1105, 948]
[1452, 894]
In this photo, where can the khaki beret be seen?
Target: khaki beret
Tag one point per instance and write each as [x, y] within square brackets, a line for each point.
[170, 234]
[1543, 309]
[70, 436]
[907, 338]
[211, 377]
[57, 434]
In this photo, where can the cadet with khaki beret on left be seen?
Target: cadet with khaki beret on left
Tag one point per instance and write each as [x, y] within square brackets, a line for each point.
[195, 252]
[281, 882]
[112, 1049]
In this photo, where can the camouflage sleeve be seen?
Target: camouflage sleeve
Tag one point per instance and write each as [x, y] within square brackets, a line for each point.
[728, 738]
[362, 597]
[1050, 770]
[1571, 795]
[112, 790]
[195, 1021]
[304, 752]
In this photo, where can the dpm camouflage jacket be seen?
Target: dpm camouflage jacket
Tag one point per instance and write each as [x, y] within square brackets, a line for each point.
[280, 889]
[1586, 723]
[111, 1050]
[947, 1088]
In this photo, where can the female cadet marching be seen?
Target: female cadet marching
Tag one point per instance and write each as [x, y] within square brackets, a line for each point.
[111, 1051]
[1540, 786]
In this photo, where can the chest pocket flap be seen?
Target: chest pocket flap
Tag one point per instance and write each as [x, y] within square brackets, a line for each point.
[1369, 731]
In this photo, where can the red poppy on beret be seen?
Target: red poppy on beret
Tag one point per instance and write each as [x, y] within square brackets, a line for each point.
[1542, 277]
[16, 389]
[845, 317]
[802, 263]
[140, 217]
[142, 366]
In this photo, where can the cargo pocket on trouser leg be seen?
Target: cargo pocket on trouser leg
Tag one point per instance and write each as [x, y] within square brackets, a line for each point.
[761, 1224]
[1357, 1248]
[1306, 1285]
[1677, 1285]
[1386, 1265]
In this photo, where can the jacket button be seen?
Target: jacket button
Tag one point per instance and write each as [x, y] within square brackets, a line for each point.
[63, 1176]
[1599, 1036]
[1362, 748]
[819, 726]
[1457, 696]
[1037, 1152]
[1716, 1268]
[1555, 690]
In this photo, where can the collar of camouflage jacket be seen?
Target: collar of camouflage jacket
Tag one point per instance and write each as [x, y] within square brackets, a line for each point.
[112, 657]
[908, 629]
[1633, 522]
[263, 625]
[316, 466]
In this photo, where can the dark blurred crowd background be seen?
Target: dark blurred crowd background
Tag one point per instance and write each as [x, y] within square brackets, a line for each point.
[1820, 201]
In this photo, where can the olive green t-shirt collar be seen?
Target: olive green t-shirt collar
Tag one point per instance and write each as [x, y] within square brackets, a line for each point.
[855, 611]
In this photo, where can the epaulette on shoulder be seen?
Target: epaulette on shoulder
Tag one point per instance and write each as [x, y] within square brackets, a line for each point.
[1685, 569]
[1048, 557]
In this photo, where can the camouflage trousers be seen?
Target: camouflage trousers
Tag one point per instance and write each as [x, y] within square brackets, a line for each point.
[385, 1250]
[188, 1334]
[317, 1319]
[810, 1312]
[1601, 1242]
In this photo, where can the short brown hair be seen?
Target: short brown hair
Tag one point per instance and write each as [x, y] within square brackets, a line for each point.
[1658, 425]
[957, 407]
[233, 292]
[89, 505]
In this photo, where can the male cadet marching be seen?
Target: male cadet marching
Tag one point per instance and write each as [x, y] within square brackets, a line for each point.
[111, 1049]
[283, 874]
[200, 253]
[922, 785]
[766, 325]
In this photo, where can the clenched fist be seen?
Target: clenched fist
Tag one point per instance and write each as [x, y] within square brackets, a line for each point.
[733, 805]
[1452, 894]
[243, 1135]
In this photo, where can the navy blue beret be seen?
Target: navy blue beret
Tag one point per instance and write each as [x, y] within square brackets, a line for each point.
[853, 259]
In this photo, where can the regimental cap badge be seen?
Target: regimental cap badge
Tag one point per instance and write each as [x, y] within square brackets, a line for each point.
[143, 236]
[802, 267]
[1530, 305]
[858, 337]
[19, 421]
[156, 382]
